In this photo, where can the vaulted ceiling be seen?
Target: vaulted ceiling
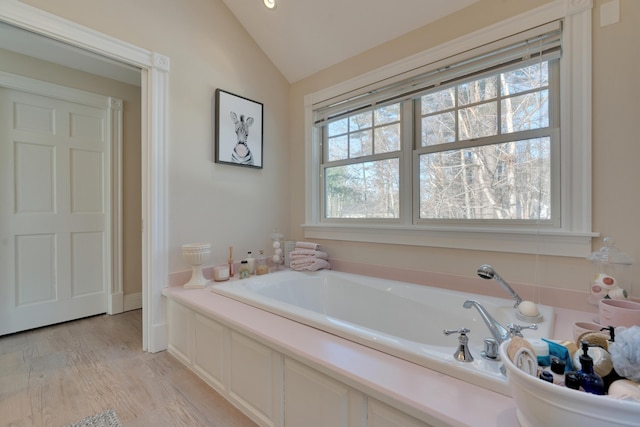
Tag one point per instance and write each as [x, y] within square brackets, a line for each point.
[302, 37]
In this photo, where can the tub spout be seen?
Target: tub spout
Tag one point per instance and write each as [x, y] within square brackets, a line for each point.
[499, 332]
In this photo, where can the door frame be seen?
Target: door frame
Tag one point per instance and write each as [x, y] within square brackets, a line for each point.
[155, 137]
[113, 229]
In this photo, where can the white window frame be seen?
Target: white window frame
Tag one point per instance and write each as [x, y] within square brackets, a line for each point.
[574, 236]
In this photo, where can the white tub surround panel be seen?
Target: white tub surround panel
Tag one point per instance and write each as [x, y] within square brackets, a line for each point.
[356, 384]
[402, 319]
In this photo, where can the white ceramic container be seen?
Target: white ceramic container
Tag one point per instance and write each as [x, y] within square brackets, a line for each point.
[619, 312]
[580, 328]
[542, 404]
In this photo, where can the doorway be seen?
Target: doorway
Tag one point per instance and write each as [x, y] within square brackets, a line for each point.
[154, 87]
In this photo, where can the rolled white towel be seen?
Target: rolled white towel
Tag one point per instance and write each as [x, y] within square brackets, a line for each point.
[307, 245]
[523, 355]
[526, 361]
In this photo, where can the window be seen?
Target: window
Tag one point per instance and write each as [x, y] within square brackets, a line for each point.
[362, 165]
[487, 148]
[482, 136]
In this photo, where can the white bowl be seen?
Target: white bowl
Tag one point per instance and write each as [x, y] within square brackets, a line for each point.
[542, 404]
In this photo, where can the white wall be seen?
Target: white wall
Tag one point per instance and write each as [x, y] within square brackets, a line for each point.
[208, 49]
[241, 207]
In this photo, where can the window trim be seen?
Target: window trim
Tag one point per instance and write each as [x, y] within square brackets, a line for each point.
[574, 238]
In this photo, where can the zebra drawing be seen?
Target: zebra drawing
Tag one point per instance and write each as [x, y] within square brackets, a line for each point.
[241, 153]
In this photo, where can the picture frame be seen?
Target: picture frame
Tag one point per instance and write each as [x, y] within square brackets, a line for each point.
[239, 130]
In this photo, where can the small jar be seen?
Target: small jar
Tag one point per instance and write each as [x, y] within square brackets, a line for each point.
[557, 369]
[221, 273]
[244, 269]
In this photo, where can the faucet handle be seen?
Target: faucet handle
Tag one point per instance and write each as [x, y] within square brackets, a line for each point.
[462, 354]
[516, 330]
[461, 331]
[491, 351]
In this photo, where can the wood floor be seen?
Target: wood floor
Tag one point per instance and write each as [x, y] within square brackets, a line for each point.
[60, 374]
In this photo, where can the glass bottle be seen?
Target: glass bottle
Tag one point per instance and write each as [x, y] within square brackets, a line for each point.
[252, 263]
[278, 256]
[261, 264]
[244, 269]
[611, 270]
[589, 380]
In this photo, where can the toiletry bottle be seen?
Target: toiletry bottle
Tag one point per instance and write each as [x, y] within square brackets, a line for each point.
[541, 349]
[244, 269]
[557, 369]
[230, 261]
[589, 380]
[546, 376]
[261, 264]
[612, 375]
[252, 263]
[572, 380]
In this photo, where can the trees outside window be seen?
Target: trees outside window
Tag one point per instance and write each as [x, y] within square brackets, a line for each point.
[481, 148]
[485, 148]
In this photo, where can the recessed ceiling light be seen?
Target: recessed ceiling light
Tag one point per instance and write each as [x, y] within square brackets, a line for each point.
[271, 4]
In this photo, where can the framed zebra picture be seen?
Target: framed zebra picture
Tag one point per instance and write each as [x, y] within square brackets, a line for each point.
[239, 127]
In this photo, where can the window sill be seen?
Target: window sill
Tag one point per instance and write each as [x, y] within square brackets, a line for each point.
[542, 242]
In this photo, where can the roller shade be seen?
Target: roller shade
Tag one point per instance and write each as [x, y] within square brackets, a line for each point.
[537, 44]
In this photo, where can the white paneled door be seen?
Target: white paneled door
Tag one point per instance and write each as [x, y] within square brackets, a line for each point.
[54, 210]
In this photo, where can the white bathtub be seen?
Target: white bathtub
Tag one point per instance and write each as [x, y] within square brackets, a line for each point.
[401, 319]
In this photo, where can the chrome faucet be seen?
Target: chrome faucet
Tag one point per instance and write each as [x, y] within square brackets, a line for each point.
[462, 354]
[499, 332]
[487, 272]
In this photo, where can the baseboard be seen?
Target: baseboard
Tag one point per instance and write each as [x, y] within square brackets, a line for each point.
[116, 303]
[132, 301]
[158, 339]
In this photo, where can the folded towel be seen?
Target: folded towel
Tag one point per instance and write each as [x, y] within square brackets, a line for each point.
[301, 262]
[306, 257]
[319, 264]
[307, 245]
[303, 253]
[313, 265]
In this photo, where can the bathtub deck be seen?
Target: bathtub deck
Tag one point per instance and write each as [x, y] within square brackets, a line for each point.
[418, 391]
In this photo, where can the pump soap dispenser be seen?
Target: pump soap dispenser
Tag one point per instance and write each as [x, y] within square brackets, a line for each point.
[589, 380]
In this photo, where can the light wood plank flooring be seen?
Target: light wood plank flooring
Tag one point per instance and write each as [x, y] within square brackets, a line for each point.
[60, 374]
